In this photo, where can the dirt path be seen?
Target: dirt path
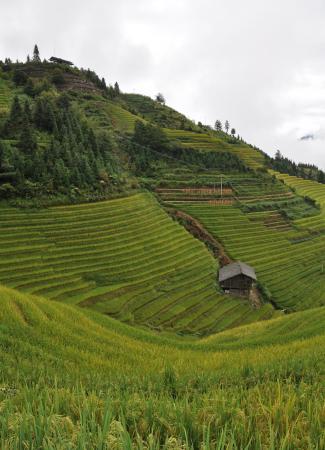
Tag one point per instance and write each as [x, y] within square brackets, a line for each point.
[255, 298]
[194, 227]
[198, 231]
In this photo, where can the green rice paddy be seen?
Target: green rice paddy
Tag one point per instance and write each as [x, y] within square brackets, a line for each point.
[123, 257]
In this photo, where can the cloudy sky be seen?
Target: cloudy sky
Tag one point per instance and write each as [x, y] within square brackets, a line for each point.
[258, 63]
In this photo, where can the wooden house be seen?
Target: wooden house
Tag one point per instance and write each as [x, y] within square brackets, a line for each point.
[237, 278]
[54, 59]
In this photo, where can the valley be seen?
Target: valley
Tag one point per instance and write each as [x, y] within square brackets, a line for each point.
[116, 214]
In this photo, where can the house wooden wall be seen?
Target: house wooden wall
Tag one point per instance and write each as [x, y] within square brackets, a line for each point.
[239, 284]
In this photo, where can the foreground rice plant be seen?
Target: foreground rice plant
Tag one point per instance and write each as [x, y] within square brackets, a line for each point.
[76, 380]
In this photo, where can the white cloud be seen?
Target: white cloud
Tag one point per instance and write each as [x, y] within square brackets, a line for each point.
[258, 63]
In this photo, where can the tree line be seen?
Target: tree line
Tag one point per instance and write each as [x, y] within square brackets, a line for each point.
[286, 165]
[45, 147]
[20, 75]
[150, 145]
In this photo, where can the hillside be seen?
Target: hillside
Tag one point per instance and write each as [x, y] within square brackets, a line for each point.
[153, 391]
[116, 213]
[122, 257]
[68, 138]
[77, 133]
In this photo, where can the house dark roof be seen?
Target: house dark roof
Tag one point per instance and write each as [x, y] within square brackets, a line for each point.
[60, 61]
[234, 269]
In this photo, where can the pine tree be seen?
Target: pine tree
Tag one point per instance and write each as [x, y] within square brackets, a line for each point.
[62, 174]
[15, 119]
[321, 177]
[36, 55]
[92, 142]
[27, 112]
[15, 111]
[117, 89]
[218, 125]
[29, 88]
[233, 132]
[227, 126]
[160, 98]
[2, 154]
[27, 142]
[38, 113]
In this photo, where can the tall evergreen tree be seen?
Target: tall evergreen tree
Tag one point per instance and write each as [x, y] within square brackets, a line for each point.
[36, 55]
[160, 98]
[29, 88]
[15, 119]
[218, 125]
[27, 142]
[117, 89]
[2, 154]
[227, 126]
[27, 112]
[15, 111]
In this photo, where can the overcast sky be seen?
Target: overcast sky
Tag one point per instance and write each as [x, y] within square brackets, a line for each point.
[258, 63]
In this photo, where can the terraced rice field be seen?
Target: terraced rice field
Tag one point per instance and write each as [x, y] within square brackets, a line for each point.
[76, 379]
[197, 186]
[202, 141]
[123, 257]
[104, 113]
[5, 97]
[288, 259]
[309, 188]
[192, 194]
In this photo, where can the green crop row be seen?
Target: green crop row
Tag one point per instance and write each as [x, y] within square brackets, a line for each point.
[123, 257]
[77, 379]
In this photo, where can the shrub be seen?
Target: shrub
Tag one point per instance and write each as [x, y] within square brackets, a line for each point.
[20, 78]
[7, 191]
[57, 77]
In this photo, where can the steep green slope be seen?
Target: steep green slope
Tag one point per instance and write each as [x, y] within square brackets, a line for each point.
[287, 264]
[155, 112]
[308, 188]
[5, 97]
[218, 142]
[103, 113]
[87, 381]
[73, 377]
[123, 257]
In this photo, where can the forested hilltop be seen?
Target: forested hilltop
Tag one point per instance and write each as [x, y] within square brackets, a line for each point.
[65, 133]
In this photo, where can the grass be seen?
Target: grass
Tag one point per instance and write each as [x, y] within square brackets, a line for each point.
[154, 112]
[5, 97]
[87, 381]
[104, 114]
[202, 141]
[123, 257]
